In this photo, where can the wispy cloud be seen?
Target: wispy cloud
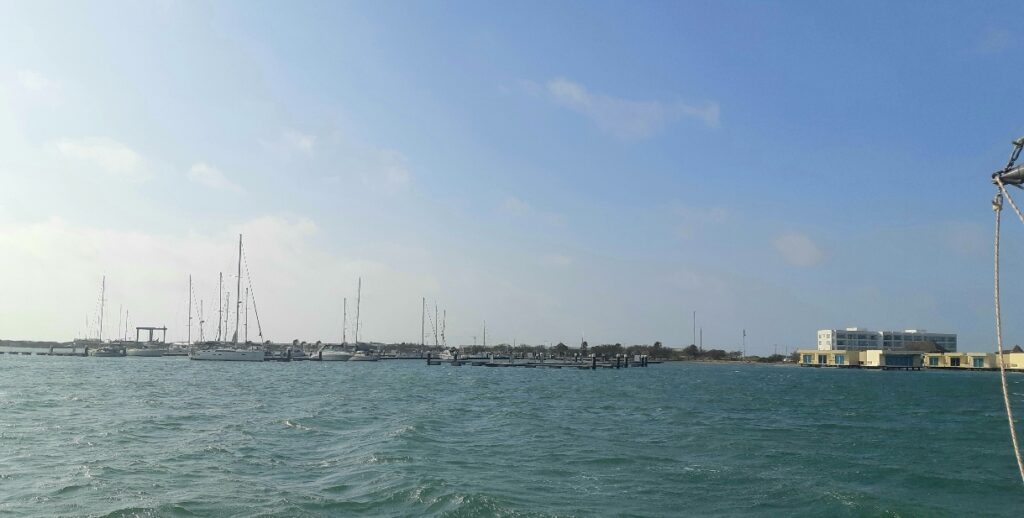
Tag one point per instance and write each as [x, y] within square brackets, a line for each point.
[205, 174]
[799, 250]
[557, 260]
[110, 156]
[299, 141]
[995, 40]
[692, 219]
[515, 206]
[627, 118]
[34, 81]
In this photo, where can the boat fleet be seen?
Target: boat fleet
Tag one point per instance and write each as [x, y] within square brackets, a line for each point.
[222, 349]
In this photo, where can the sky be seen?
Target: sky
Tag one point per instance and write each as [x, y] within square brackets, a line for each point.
[558, 170]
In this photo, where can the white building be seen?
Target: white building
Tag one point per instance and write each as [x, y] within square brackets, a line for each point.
[855, 338]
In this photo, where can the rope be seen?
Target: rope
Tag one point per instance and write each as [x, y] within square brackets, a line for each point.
[997, 207]
[252, 292]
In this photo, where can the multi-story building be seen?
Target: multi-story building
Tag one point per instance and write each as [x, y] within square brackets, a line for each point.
[855, 338]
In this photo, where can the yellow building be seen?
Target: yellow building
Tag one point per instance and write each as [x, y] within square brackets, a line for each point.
[831, 358]
[1013, 361]
[879, 359]
[962, 360]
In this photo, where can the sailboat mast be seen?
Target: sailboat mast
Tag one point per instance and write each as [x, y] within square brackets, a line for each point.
[227, 315]
[485, 333]
[344, 319]
[238, 288]
[202, 322]
[189, 341]
[118, 317]
[103, 296]
[359, 298]
[220, 302]
[436, 324]
[423, 322]
[246, 315]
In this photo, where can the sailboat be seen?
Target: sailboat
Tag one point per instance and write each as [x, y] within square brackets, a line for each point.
[223, 350]
[336, 352]
[101, 350]
[361, 355]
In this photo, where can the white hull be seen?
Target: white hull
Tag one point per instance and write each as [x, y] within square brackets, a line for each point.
[336, 356]
[360, 357]
[104, 354]
[145, 353]
[227, 355]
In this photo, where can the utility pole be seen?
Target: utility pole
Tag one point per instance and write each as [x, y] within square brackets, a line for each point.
[701, 346]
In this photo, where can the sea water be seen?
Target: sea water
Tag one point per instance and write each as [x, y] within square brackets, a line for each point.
[173, 437]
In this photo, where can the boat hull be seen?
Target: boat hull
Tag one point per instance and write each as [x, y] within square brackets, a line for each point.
[227, 355]
[335, 356]
[144, 353]
[364, 358]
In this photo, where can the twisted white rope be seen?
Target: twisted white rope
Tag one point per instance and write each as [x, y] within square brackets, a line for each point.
[997, 207]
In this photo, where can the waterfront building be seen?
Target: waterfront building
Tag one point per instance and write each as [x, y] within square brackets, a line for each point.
[855, 338]
[958, 360]
[871, 358]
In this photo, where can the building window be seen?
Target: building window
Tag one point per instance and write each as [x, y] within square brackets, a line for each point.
[822, 359]
[840, 359]
[933, 361]
[808, 358]
[954, 362]
[978, 362]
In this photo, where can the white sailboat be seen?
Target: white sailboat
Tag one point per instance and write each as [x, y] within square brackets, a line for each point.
[222, 351]
[337, 352]
[102, 350]
[361, 355]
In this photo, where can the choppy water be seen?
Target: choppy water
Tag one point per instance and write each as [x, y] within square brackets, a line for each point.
[171, 437]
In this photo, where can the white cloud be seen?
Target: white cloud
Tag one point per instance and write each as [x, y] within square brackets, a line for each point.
[297, 284]
[799, 250]
[514, 205]
[299, 141]
[111, 156]
[693, 219]
[387, 171]
[627, 118]
[520, 208]
[34, 81]
[557, 260]
[212, 177]
[995, 40]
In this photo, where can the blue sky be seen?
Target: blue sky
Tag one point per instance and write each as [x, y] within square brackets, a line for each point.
[556, 169]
